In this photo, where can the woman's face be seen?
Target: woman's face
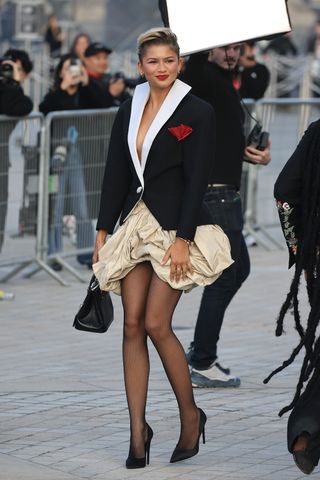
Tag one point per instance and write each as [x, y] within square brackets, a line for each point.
[160, 65]
[81, 45]
[53, 21]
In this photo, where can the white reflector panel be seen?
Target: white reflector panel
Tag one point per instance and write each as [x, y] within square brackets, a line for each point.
[204, 24]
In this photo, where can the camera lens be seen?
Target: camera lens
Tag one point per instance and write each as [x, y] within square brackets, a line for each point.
[6, 70]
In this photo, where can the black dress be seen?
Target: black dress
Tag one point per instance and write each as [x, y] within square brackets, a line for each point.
[288, 191]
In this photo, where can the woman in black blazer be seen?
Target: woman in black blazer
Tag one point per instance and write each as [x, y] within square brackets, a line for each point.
[160, 154]
[297, 191]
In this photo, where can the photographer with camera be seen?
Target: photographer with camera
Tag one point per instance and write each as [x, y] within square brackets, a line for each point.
[96, 59]
[211, 76]
[73, 89]
[15, 66]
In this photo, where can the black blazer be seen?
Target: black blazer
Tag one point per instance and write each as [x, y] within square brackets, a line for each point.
[173, 175]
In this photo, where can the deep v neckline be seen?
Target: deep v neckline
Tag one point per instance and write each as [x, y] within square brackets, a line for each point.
[141, 95]
[147, 130]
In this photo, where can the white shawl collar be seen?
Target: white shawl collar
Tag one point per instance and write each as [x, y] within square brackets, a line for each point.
[141, 95]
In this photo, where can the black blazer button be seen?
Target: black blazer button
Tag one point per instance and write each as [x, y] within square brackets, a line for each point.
[139, 189]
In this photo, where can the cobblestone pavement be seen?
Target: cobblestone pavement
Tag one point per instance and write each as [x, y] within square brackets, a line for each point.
[62, 403]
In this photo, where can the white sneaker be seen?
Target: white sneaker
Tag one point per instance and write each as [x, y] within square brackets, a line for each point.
[216, 362]
[213, 377]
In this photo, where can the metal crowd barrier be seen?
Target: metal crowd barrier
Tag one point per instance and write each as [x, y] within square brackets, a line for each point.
[75, 150]
[286, 120]
[20, 164]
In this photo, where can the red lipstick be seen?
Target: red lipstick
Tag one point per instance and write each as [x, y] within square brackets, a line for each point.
[162, 77]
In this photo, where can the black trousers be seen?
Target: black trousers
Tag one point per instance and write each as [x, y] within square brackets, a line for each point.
[224, 204]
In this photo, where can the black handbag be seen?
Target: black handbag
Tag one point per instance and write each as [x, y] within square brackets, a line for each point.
[96, 312]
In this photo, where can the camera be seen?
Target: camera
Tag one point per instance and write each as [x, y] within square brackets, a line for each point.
[258, 138]
[6, 71]
[75, 68]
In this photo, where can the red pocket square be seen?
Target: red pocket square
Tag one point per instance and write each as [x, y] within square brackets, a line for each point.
[180, 132]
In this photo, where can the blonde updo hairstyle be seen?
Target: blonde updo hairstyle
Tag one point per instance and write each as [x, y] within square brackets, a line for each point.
[157, 36]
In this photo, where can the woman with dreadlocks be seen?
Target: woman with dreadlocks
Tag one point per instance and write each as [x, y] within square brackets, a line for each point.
[297, 191]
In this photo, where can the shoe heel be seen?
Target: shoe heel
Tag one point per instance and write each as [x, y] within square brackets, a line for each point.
[148, 455]
[148, 443]
[133, 462]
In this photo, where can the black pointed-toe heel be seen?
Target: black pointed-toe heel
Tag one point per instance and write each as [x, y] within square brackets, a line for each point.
[184, 453]
[134, 462]
[303, 461]
[301, 456]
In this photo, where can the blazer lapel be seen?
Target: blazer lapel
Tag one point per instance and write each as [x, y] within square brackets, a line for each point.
[141, 95]
[178, 91]
[139, 100]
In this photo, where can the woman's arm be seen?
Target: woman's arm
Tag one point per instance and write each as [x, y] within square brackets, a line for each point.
[198, 152]
[287, 192]
[117, 176]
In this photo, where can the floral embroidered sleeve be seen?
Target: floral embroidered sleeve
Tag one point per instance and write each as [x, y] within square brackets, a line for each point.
[288, 218]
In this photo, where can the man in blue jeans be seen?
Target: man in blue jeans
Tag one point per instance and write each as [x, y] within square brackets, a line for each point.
[211, 76]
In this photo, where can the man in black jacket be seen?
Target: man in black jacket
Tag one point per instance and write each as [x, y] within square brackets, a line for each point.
[13, 102]
[211, 76]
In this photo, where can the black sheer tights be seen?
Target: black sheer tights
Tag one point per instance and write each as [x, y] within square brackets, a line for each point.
[149, 304]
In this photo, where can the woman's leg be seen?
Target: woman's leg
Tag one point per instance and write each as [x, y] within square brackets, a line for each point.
[162, 300]
[134, 291]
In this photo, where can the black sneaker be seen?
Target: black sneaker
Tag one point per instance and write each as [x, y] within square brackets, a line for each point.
[56, 266]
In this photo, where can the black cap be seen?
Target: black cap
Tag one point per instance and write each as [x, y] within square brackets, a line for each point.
[96, 47]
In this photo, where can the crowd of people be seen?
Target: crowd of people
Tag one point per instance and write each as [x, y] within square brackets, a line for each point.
[80, 81]
[168, 208]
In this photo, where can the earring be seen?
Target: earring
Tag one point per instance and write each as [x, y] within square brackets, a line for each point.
[142, 74]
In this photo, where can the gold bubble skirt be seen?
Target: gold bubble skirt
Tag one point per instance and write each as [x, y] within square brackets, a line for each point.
[141, 239]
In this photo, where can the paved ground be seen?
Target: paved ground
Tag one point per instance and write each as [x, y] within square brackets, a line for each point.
[62, 403]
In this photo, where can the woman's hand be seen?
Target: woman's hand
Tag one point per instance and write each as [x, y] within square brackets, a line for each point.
[117, 87]
[100, 241]
[69, 82]
[180, 263]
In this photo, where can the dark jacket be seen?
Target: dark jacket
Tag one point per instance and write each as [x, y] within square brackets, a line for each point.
[173, 182]
[254, 81]
[214, 85]
[51, 38]
[87, 97]
[288, 192]
[13, 101]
